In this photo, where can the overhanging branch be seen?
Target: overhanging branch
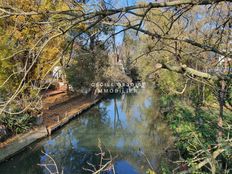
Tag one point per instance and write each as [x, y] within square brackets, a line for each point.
[183, 69]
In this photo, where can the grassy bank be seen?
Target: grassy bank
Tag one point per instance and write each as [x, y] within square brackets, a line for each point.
[195, 130]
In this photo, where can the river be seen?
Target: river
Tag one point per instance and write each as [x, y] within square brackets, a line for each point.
[129, 127]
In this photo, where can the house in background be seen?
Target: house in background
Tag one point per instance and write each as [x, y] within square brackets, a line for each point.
[56, 79]
[58, 73]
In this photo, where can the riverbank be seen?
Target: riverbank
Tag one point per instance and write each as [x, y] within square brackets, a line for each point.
[58, 110]
[196, 132]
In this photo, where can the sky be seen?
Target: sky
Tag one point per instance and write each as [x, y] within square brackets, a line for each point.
[124, 3]
[119, 4]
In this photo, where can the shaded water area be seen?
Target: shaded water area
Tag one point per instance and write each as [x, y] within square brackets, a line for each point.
[128, 126]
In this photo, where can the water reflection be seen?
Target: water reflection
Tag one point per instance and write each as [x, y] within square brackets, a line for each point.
[127, 125]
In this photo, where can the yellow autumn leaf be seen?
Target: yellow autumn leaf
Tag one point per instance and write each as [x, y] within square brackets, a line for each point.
[17, 34]
[35, 17]
[14, 17]
[149, 171]
[21, 19]
[82, 26]
[61, 6]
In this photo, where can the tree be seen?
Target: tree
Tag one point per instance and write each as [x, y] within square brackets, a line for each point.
[32, 45]
[88, 67]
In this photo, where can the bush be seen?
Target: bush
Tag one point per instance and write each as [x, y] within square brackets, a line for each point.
[17, 123]
[196, 132]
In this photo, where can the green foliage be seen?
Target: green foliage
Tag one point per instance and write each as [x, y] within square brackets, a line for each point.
[17, 123]
[165, 168]
[80, 74]
[195, 130]
[88, 67]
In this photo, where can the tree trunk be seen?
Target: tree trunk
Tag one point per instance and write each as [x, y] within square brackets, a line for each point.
[221, 100]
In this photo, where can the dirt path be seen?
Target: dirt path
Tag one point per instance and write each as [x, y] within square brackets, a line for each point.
[59, 106]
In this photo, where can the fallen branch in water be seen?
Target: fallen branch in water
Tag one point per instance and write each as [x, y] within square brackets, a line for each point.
[108, 166]
[54, 164]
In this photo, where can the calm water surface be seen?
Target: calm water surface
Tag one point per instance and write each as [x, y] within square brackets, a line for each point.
[128, 126]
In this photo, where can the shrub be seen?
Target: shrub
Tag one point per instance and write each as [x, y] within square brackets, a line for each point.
[196, 132]
[17, 123]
